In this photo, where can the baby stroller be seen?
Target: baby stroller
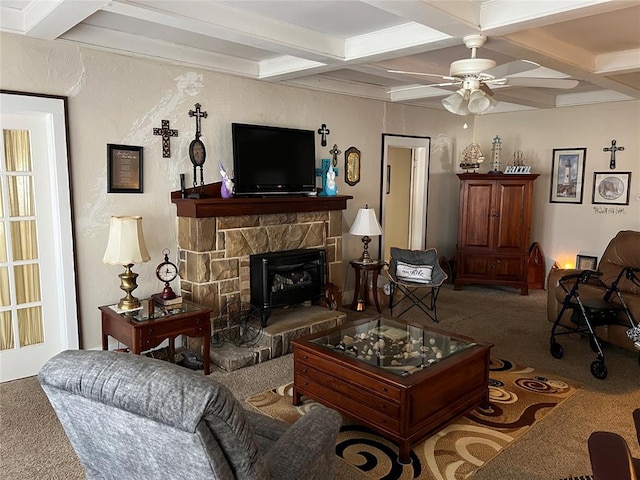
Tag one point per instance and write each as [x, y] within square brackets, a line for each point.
[590, 313]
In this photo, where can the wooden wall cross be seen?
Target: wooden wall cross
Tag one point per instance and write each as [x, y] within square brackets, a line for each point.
[613, 149]
[323, 131]
[334, 153]
[166, 133]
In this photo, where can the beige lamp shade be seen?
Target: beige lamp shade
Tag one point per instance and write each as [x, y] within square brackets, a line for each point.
[126, 242]
[366, 223]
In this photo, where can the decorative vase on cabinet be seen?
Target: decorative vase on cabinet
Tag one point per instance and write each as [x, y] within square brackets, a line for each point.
[494, 230]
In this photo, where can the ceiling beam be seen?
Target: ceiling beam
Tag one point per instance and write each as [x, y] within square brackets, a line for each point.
[48, 20]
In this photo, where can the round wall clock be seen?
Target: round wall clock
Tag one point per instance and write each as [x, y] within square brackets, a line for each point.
[197, 152]
[167, 272]
[352, 166]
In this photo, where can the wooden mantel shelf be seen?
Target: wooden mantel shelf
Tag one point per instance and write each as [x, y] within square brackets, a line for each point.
[216, 206]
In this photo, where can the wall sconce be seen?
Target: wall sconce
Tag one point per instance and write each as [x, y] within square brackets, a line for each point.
[125, 247]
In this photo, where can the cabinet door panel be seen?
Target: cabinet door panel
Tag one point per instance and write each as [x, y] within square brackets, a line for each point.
[511, 227]
[508, 269]
[476, 216]
[475, 265]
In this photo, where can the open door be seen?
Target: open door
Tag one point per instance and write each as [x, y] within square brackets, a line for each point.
[405, 192]
[38, 312]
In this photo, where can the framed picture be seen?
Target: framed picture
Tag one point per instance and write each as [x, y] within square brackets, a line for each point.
[611, 188]
[352, 166]
[567, 175]
[124, 169]
[585, 262]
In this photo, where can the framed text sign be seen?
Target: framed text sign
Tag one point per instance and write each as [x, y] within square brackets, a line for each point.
[124, 169]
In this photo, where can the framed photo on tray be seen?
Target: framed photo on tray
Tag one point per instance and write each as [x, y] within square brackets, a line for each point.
[124, 169]
[567, 175]
[611, 188]
[585, 262]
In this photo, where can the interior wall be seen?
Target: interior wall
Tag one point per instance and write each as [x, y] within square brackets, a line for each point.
[119, 99]
[565, 230]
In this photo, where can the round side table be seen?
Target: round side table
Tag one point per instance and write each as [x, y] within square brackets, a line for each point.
[362, 276]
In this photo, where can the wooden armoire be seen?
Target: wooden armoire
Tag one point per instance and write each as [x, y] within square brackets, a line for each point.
[494, 229]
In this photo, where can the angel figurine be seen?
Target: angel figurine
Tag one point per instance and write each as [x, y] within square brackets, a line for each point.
[226, 189]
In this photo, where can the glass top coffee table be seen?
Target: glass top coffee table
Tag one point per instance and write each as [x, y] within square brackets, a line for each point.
[403, 380]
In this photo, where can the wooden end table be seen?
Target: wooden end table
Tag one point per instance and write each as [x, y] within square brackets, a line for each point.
[141, 333]
[403, 399]
[362, 276]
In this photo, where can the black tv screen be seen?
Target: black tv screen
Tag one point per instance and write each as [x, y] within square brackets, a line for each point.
[273, 160]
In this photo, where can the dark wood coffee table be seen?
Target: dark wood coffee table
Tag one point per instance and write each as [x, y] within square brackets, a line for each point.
[360, 369]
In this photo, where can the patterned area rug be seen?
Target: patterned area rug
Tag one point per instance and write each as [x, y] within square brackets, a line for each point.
[520, 396]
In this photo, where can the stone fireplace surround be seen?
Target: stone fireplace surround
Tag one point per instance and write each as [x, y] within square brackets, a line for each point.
[216, 237]
[215, 240]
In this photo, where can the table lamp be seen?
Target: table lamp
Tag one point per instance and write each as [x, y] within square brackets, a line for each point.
[366, 224]
[125, 247]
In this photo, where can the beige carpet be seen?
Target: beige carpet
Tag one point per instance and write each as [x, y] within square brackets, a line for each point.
[34, 446]
[519, 396]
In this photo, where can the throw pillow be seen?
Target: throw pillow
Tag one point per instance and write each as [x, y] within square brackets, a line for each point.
[414, 273]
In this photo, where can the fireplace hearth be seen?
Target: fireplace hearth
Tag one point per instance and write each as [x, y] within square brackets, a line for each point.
[289, 277]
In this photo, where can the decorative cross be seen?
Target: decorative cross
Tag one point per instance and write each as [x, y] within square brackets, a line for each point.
[166, 133]
[198, 114]
[322, 173]
[334, 153]
[324, 131]
[613, 149]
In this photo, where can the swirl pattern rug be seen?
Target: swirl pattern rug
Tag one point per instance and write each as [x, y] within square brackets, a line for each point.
[519, 397]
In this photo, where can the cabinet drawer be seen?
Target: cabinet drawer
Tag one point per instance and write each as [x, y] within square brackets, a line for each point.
[347, 374]
[348, 406]
[355, 392]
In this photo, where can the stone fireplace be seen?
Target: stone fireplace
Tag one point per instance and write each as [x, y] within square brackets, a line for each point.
[216, 238]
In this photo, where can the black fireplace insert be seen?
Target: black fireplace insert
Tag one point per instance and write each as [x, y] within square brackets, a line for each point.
[285, 278]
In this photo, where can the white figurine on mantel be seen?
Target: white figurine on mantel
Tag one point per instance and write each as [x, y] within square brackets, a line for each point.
[495, 154]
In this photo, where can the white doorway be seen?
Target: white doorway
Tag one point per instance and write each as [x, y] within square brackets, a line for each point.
[405, 192]
[38, 311]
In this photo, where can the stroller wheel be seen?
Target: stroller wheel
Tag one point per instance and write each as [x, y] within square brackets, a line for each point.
[599, 369]
[556, 350]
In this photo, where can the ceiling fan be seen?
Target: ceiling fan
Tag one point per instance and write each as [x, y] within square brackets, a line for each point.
[476, 75]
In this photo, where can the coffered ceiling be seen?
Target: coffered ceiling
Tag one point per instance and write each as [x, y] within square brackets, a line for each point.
[349, 46]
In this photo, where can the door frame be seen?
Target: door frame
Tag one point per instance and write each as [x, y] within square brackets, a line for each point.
[421, 153]
[54, 109]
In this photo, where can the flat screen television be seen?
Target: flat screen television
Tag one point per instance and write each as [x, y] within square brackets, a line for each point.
[273, 160]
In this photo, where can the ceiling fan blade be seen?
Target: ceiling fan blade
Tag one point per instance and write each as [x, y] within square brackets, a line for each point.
[413, 87]
[444, 77]
[542, 82]
[511, 68]
[486, 89]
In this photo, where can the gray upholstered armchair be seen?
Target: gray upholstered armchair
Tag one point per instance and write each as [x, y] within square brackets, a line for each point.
[129, 416]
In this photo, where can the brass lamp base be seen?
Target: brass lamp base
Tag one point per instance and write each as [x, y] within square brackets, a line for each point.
[128, 284]
[366, 256]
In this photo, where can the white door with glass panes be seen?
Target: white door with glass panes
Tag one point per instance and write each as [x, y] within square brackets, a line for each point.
[38, 314]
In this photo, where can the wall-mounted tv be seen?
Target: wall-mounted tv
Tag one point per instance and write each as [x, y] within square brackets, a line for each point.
[273, 160]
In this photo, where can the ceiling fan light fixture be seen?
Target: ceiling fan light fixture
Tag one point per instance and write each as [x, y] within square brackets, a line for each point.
[456, 102]
[478, 102]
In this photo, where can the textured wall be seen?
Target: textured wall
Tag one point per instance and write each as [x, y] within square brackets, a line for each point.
[118, 99]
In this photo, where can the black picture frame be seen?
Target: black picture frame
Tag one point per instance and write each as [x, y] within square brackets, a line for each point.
[611, 188]
[586, 262]
[124, 169]
[567, 175]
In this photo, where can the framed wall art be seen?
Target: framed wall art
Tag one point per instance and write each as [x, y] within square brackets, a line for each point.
[611, 188]
[352, 166]
[585, 262]
[567, 175]
[124, 169]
